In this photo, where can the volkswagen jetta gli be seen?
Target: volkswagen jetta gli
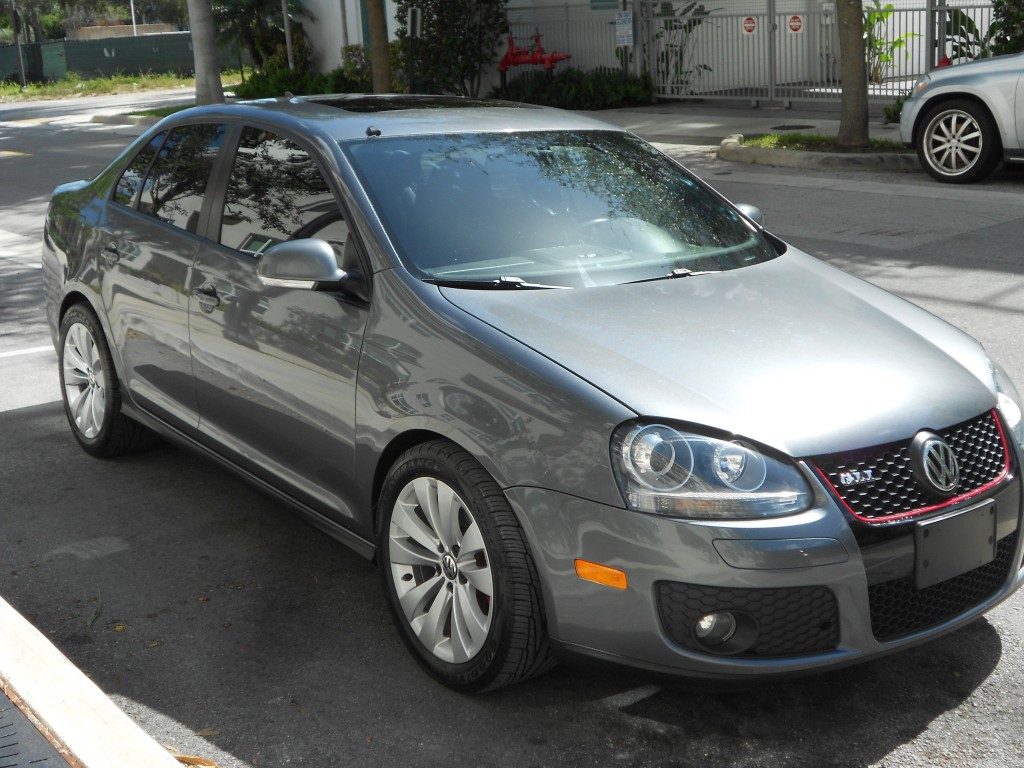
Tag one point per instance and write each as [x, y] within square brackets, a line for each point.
[573, 401]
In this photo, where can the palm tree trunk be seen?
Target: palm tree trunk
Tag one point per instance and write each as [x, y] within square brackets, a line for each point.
[204, 53]
[380, 58]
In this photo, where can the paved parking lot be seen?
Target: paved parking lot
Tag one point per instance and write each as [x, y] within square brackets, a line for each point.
[229, 628]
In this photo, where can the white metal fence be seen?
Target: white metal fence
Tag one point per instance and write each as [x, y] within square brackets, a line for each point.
[773, 50]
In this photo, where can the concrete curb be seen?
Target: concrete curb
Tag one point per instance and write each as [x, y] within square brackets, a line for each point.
[732, 149]
[66, 706]
[121, 118]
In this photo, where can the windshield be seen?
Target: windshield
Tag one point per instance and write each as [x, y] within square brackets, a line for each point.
[548, 209]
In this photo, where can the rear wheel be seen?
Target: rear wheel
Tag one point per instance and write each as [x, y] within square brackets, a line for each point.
[461, 583]
[959, 142]
[91, 391]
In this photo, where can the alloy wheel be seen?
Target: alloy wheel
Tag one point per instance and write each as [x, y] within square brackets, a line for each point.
[441, 570]
[85, 382]
[954, 141]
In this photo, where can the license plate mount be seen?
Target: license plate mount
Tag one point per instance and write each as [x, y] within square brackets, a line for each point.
[954, 544]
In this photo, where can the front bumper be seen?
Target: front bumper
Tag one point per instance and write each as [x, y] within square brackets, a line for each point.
[818, 589]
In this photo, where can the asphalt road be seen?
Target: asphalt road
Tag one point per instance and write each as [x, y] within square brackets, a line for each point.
[224, 624]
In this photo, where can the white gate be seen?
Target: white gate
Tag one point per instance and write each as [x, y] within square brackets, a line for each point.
[761, 50]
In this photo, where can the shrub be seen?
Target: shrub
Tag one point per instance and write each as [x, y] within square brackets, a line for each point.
[353, 76]
[1008, 19]
[570, 88]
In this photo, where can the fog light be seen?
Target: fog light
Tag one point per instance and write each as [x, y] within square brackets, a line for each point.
[716, 628]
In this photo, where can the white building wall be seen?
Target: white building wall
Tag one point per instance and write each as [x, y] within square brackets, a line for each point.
[325, 31]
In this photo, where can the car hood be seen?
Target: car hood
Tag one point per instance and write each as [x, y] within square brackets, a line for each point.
[791, 353]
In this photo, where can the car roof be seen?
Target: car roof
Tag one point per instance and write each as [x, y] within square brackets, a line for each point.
[357, 116]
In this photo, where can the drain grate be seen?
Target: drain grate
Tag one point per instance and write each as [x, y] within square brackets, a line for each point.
[21, 745]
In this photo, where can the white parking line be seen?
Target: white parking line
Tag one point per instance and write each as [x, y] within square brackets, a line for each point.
[29, 351]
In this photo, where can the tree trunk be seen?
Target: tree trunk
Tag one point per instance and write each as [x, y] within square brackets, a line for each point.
[380, 55]
[204, 53]
[853, 121]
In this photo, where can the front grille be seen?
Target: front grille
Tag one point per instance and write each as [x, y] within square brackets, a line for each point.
[791, 620]
[894, 492]
[898, 608]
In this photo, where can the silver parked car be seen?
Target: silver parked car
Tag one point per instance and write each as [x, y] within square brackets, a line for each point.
[574, 402]
[964, 119]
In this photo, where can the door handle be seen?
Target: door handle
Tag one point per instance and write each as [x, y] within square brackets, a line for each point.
[110, 253]
[207, 297]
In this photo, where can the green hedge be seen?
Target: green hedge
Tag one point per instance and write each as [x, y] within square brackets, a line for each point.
[574, 89]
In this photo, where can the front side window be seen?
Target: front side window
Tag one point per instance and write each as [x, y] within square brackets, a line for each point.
[176, 185]
[130, 183]
[276, 193]
[560, 208]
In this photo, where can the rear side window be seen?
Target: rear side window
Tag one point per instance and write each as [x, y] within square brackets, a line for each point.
[275, 193]
[174, 189]
[130, 183]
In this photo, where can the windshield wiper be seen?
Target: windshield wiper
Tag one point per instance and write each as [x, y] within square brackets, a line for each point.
[503, 283]
[675, 273]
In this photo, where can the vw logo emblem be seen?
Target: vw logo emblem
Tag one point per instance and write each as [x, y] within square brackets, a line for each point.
[935, 463]
[449, 567]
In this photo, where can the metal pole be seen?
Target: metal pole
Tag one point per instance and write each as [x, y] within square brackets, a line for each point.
[135, 30]
[288, 34]
[344, 25]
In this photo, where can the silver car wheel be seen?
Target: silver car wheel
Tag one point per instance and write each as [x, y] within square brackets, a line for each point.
[85, 382]
[440, 569]
[959, 142]
[954, 141]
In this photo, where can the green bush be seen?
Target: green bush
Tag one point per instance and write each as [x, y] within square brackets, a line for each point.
[353, 76]
[1008, 20]
[601, 88]
[278, 82]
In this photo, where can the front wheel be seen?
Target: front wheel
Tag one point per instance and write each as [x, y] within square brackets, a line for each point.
[461, 583]
[91, 391]
[959, 143]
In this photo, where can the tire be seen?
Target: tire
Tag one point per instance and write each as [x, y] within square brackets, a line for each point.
[959, 142]
[460, 580]
[91, 390]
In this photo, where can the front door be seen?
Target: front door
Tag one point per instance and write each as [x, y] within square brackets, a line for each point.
[275, 368]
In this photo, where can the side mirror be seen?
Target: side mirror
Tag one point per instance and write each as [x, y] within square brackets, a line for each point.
[306, 265]
[752, 212]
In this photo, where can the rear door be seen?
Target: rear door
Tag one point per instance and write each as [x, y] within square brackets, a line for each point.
[148, 244]
[275, 368]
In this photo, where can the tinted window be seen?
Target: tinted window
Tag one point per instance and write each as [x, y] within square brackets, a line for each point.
[573, 209]
[276, 193]
[131, 180]
[177, 181]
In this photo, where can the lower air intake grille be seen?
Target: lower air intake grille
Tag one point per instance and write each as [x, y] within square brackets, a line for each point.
[898, 608]
[791, 621]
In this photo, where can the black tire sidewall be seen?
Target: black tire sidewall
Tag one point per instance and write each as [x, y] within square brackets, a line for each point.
[433, 460]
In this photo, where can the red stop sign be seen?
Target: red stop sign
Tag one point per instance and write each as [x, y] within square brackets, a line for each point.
[749, 24]
[796, 23]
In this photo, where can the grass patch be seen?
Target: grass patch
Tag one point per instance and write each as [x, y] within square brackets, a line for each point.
[73, 84]
[809, 142]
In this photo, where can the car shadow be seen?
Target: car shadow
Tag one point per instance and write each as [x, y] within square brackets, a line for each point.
[173, 584]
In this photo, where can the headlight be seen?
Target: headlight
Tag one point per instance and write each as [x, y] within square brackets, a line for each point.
[1009, 402]
[676, 473]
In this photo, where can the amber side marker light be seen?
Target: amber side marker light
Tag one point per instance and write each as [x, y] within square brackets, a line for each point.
[601, 574]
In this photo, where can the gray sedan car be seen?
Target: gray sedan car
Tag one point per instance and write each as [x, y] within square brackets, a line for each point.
[963, 120]
[573, 402]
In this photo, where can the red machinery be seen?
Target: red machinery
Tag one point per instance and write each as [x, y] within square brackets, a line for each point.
[516, 56]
